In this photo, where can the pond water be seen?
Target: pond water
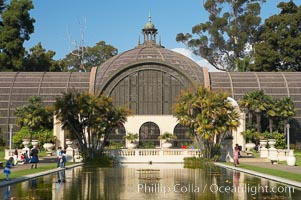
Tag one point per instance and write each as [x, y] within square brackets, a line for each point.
[149, 182]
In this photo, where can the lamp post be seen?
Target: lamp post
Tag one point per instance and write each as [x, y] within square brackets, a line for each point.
[288, 135]
[10, 136]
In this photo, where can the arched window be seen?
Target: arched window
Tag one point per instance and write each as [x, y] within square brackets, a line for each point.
[148, 135]
[117, 136]
[183, 137]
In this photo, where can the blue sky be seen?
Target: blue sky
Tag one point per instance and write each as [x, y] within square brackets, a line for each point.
[118, 22]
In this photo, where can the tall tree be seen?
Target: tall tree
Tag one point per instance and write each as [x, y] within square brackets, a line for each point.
[40, 60]
[279, 47]
[89, 118]
[208, 115]
[2, 7]
[256, 103]
[34, 115]
[92, 56]
[225, 38]
[16, 27]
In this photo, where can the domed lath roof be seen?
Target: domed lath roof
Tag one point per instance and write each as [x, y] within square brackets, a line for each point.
[147, 54]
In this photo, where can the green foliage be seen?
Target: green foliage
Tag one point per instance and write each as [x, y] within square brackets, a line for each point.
[45, 136]
[280, 140]
[131, 137]
[251, 135]
[34, 115]
[24, 133]
[40, 60]
[280, 41]
[231, 28]
[89, 118]
[146, 145]
[100, 161]
[197, 162]
[207, 114]
[15, 29]
[267, 135]
[2, 143]
[115, 145]
[167, 136]
[78, 60]
[257, 103]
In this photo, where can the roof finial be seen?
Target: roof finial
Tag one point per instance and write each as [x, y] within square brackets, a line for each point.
[139, 40]
[160, 40]
[149, 17]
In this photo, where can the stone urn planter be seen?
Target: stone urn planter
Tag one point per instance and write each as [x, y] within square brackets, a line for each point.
[131, 145]
[34, 143]
[166, 139]
[26, 143]
[250, 146]
[166, 145]
[49, 147]
[272, 143]
[291, 159]
[69, 143]
[131, 140]
[263, 144]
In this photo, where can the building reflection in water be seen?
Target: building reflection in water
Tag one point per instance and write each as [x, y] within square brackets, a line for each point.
[155, 181]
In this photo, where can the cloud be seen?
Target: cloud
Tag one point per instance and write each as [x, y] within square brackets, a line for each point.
[200, 61]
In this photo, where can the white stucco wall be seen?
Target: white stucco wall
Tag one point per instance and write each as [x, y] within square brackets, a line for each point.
[166, 123]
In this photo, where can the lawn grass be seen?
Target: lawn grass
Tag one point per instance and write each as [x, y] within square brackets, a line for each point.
[29, 171]
[269, 171]
[2, 154]
[41, 168]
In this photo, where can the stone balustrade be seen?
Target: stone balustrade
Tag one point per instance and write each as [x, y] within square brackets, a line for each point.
[274, 154]
[152, 155]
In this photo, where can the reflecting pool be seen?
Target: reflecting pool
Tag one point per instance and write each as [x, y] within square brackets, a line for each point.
[155, 181]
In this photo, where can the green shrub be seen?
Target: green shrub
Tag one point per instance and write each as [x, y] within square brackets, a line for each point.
[147, 145]
[280, 140]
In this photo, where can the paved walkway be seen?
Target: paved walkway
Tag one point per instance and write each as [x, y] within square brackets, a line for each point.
[281, 167]
[265, 163]
[42, 162]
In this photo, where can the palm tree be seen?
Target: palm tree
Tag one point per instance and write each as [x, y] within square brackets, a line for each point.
[34, 115]
[208, 115]
[287, 109]
[89, 119]
[256, 102]
[272, 112]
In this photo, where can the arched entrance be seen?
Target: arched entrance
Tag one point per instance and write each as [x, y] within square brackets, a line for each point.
[183, 137]
[148, 135]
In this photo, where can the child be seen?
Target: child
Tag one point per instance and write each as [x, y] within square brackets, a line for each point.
[8, 165]
[236, 155]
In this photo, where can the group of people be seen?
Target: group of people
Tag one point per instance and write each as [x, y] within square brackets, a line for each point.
[12, 161]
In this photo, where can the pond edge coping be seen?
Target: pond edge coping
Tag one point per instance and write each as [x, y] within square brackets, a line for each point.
[262, 175]
[35, 175]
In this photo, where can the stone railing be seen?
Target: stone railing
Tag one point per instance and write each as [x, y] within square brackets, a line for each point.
[274, 154]
[152, 155]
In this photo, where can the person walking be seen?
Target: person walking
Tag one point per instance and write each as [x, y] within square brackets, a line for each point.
[236, 155]
[59, 156]
[15, 156]
[34, 157]
[8, 165]
[64, 158]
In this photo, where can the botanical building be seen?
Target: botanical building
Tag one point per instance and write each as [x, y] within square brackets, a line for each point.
[147, 79]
